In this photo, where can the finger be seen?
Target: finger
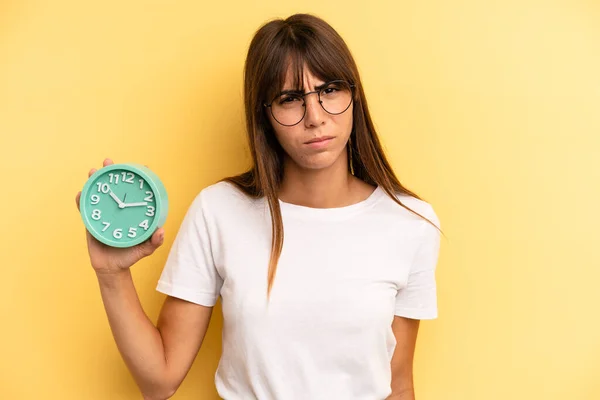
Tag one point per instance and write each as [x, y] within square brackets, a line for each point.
[149, 246]
[158, 237]
[155, 241]
[91, 172]
[107, 162]
[77, 199]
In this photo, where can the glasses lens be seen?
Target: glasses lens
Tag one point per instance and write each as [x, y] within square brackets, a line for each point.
[336, 97]
[288, 109]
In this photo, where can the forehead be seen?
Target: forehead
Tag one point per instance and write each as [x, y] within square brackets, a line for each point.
[300, 78]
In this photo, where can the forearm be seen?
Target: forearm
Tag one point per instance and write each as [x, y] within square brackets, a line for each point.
[137, 339]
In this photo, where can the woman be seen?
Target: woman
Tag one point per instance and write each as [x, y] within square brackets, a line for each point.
[323, 261]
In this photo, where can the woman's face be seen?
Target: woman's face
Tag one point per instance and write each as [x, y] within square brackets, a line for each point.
[320, 139]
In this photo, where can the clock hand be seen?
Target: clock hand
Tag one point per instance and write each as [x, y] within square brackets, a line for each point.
[114, 196]
[142, 203]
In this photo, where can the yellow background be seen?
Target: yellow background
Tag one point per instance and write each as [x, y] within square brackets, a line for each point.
[490, 110]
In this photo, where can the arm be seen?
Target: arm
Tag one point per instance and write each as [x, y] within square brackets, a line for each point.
[158, 357]
[405, 332]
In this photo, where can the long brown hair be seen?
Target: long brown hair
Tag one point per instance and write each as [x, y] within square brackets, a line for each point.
[303, 39]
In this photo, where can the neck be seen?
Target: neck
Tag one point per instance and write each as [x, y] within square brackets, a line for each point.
[318, 188]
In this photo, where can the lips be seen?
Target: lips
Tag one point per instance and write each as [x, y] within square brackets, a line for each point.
[320, 139]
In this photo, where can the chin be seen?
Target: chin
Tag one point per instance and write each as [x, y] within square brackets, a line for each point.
[318, 161]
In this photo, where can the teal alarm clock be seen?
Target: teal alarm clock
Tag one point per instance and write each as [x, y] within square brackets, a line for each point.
[123, 204]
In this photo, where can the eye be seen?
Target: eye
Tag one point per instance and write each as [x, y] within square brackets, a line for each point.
[330, 90]
[288, 99]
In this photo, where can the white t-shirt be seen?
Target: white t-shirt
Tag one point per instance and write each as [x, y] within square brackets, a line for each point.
[342, 276]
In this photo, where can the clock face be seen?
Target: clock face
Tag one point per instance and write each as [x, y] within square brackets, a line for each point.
[120, 207]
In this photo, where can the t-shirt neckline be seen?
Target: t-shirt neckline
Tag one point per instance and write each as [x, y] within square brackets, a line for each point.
[334, 213]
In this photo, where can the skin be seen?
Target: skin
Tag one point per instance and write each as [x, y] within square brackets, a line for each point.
[159, 357]
[318, 177]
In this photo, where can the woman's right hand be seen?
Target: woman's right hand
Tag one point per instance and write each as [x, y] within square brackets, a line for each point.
[106, 259]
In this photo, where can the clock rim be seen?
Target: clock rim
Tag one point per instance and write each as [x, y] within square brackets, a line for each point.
[152, 180]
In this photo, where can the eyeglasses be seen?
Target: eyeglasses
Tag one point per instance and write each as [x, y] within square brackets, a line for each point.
[289, 107]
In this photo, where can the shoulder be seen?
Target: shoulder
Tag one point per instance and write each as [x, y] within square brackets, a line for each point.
[222, 191]
[420, 206]
[222, 197]
[410, 213]
[425, 233]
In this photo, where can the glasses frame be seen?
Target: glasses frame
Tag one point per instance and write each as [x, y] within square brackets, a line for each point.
[303, 96]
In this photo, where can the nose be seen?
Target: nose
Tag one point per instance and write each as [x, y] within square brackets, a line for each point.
[315, 114]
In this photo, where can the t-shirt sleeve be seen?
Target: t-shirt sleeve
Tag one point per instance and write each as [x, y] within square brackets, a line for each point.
[190, 272]
[418, 299]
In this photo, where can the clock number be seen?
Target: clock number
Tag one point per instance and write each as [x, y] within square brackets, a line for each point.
[96, 214]
[128, 177]
[144, 224]
[141, 183]
[106, 225]
[118, 233]
[150, 211]
[95, 199]
[116, 176]
[103, 187]
[132, 232]
[149, 197]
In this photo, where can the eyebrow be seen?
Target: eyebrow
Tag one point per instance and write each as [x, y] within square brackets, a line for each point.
[292, 91]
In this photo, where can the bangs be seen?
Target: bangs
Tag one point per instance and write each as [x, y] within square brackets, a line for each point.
[295, 51]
